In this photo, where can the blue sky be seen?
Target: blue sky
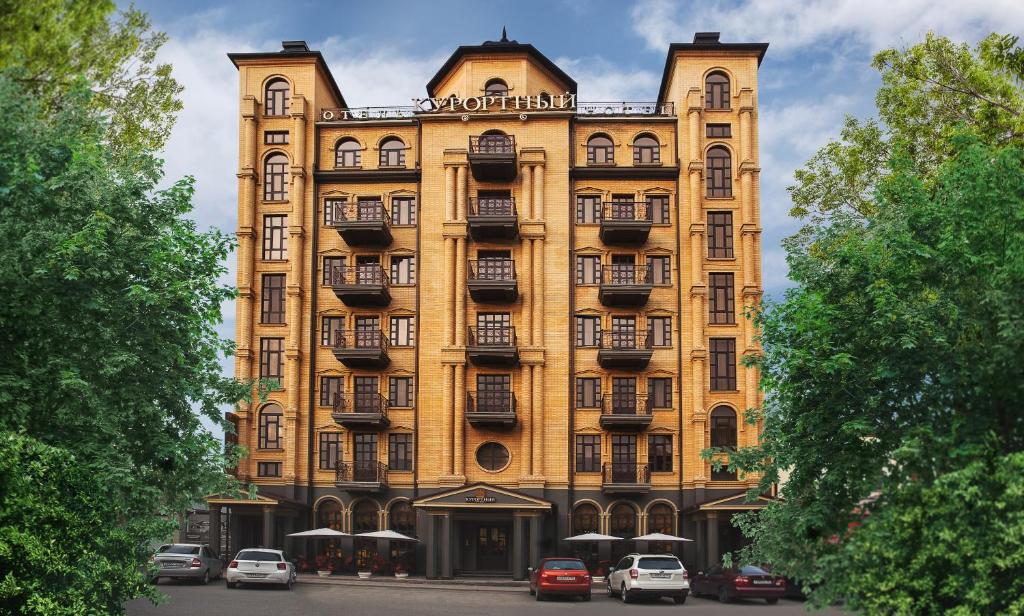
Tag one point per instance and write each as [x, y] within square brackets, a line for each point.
[817, 68]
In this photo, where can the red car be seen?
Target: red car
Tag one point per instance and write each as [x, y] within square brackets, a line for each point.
[747, 582]
[560, 576]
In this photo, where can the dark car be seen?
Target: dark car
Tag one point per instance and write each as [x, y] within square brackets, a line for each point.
[560, 576]
[749, 582]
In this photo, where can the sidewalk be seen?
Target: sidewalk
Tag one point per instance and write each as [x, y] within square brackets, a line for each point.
[486, 585]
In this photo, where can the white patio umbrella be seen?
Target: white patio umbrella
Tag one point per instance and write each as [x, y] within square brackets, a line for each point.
[320, 532]
[660, 537]
[592, 537]
[386, 534]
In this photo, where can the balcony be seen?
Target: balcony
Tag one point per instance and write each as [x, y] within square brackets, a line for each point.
[625, 284]
[491, 408]
[361, 476]
[625, 478]
[625, 222]
[625, 350]
[362, 348]
[364, 223]
[625, 412]
[361, 285]
[493, 218]
[492, 158]
[492, 346]
[361, 410]
[624, 109]
[493, 281]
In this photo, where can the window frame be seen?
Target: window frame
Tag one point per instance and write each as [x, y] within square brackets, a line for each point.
[275, 137]
[266, 468]
[582, 383]
[720, 230]
[394, 386]
[660, 275]
[329, 263]
[588, 453]
[658, 206]
[267, 354]
[326, 388]
[276, 105]
[386, 154]
[395, 335]
[275, 177]
[329, 441]
[275, 237]
[718, 179]
[327, 328]
[660, 454]
[400, 449]
[397, 216]
[581, 332]
[493, 445]
[588, 204]
[722, 375]
[607, 150]
[639, 150]
[396, 273]
[718, 130]
[717, 93]
[721, 298]
[664, 323]
[581, 270]
[341, 154]
[653, 385]
[272, 299]
[723, 434]
[269, 423]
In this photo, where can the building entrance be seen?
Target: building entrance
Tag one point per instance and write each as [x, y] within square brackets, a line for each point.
[490, 544]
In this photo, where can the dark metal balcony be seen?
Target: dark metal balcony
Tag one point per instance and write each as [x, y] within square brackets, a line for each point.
[361, 285]
[493, 218]
[363, 223]
[625, 412]
[492, 158]
[625, 478]
[625, 350]
[491, 408]
[362, 349]
[625, 284]
[361, 410]
[492, 346]
[361, 476]
[493, 280]
[625, 222]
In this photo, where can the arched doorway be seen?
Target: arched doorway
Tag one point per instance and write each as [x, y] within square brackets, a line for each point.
[365, 519]
[586, 519]
[661, 518]
[622, 523]
[402, 519]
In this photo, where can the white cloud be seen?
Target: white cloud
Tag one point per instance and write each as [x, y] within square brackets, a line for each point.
[602, 81]
[370, 75]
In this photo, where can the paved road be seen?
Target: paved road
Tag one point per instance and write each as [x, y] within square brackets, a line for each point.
[319, 599]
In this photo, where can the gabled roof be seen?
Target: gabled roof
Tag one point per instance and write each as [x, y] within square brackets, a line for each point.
[736, 502]
[294, 49]
[706, 41]
[482, 495]
[504, 46]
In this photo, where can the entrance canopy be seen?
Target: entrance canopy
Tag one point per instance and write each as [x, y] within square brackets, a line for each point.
[482, 496]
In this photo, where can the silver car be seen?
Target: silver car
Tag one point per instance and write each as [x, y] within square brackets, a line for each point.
[186, 561]
[260, 566]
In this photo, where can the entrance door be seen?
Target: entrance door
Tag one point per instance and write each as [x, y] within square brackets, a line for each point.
[492, 548]
[624, 458]
[624, 395]
[366, 395]
[364, 453]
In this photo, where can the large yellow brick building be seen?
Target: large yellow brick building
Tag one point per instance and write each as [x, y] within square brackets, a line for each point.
[499, 316]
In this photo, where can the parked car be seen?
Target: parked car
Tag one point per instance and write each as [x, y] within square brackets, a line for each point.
[260, 566]
[186, 561]
[560, 576]
[748, 582]
[649, 575]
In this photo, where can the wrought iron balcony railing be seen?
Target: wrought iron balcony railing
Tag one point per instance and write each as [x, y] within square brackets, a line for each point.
[496, 401]
[366, 113]
[626, 274]
[492, 269]
[629, 473]
[369, 274]
[492, 206]
[372, 339]
[362, 472]
[361, 402]
[625, 109]
[492, 144]
[632, 211]
[625, 341]
[626, 404]
[360, 211]
[497, 336]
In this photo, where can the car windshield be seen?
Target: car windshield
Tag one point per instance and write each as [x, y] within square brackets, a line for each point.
[659, 562]
[179, 549]
[259, 555]
[752, 570]
[564, 565]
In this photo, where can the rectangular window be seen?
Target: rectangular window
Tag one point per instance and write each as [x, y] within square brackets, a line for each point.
[403, 269]
[588, 393]
[588, 269]
[400, 452]
[269, 434]
[723, 474]
[719, 130]
[331, 265]
[403, 211]
[272, 358]
[660, 392]
[658, 206]
[588, 331]
[400, 392]
[402, 334]
[588, 453]
[721, 298]
[268, 469]
[723, 364]
[660, 331]
[330, 389]
[720, 235]
[330, 450]
[334, 211]
[274, 137]
[659, 453]
[661, 269]
[275, 178]
[272, 301]
[588, 209]
[329, 328]
[275, 238]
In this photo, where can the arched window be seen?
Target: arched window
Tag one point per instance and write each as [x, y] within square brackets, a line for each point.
[275, 99]
[494, 142]
[585, 519]
[402, 518]
[600, 150]
[622, 521]
[496, 87]
[275, 178]
[646, 151]
[719, 172]
[348, 153]
[364, 517]
[328, 515]
[270, 427]
[716, 91]
[723, 427]
[392, 153]
[661, 519]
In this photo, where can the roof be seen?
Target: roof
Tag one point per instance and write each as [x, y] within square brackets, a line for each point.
[294, 49]
[503, 46]
[707, 41]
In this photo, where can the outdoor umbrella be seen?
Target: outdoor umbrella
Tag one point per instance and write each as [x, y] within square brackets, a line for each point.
[656, 537]
[386, 534]
[592, 537]
[320, 532]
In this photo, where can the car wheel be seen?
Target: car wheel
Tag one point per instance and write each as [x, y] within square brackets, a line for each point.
[232, 584]
[540, 595]
[206, 577]
[772, 601]
[723, 595]
[586, 597]
[532, 591]
[681, 599]
[611, 592]
[624, 594]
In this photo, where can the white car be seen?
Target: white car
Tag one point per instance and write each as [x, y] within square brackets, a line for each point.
[260, 566]
[649, 575]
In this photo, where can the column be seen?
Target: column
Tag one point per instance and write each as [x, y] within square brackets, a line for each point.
[694, 129]
[526, 424]
[538, 421]
[215, 529]
[458, 435]
[268, 527]
[536, 529]
[447, 403]
[538, 292]
[449, 194]
[460, 193]
[449, 290]
[538, 192]
[431, 547]
[460, 291]
[526, 209]
[246, 240]
[518, 539]
[700, 537]
[714, 556]
[446, 546]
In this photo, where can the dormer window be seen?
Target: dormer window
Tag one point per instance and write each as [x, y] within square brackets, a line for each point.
[392, 153]
[646, 151]
[496, 87]
[275, 99]
[348, 153]
[600, 150]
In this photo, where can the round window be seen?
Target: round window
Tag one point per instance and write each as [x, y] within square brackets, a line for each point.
[492, 456]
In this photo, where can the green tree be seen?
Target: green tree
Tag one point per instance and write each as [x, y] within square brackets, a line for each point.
[111, 300]
[54, 44]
